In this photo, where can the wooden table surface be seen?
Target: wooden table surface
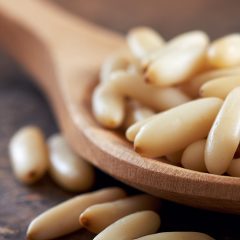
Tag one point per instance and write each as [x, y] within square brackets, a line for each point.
[21, 103]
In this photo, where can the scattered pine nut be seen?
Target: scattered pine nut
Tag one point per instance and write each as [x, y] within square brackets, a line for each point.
[97, 217]
[28, 154]
[177, 236]
[68, 169]
[132, 226]
[63, 218]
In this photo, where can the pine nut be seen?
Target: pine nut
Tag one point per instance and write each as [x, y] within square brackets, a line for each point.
[225, 52]
[131, 226]
[224, 136]
[175, 157]
[28, 154]
[219, 87]
[108, 107]
[193, 156]
[97, 217]
[234, 168]
[120, 60]
[136, 112]
[191, 88]
[181, 58]
[134, 129]
[176, 128]
[144, 40]
[63, 218]
[69, 170]
[133, 85]
[177, 236]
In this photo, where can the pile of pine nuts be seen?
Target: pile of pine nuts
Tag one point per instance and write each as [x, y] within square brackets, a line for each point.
[32, 156]
[177, 100]
[109, 212]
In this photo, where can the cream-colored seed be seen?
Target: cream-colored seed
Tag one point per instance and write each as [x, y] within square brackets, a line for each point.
[176, 128]
[97, 217]
[134, 129]
[144, 40]
[177, 236]
[181, 58]
[191, 88]
[193, 156]
[68, 169]
[175, 157]
[224, 136]
[63, 218]
[120, 60]
[112, 64]
[132, 226]
[147, 60]
[28, 154]
[136, 112]
[234, 168]
[133, 85]
[225, 52]
[108, 106]
[220, 87]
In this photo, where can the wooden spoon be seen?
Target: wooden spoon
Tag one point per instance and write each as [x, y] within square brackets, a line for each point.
[64, 53]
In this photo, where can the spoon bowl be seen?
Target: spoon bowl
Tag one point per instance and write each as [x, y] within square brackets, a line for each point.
[63, 54]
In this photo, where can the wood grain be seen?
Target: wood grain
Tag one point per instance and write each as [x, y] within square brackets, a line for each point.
[26, 203]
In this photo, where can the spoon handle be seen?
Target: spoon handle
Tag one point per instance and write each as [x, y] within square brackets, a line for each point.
[37, 34]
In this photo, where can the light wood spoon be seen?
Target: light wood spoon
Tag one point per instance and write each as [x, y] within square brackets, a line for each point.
[64, 53]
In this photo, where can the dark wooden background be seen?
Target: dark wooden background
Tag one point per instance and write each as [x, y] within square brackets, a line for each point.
[21, 103]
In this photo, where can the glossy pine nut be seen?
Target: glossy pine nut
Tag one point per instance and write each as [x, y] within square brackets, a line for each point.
[193, 156]
[224, 136]
[28, 154]
[234, 168]
[97, 217]
[177, 236]
[134, 129]
[176, 128]
[181, 58]
[191, 88]
[175, 157]
[225, 52]
[108, 107]
[63, 218]
[133, 85]
[220, 87]
[132, 226]
[121, 60]
[66, 168]
[136, 112]
[144, 40]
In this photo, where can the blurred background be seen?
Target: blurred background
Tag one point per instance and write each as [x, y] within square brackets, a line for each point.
[22, 103]
[169, 17]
